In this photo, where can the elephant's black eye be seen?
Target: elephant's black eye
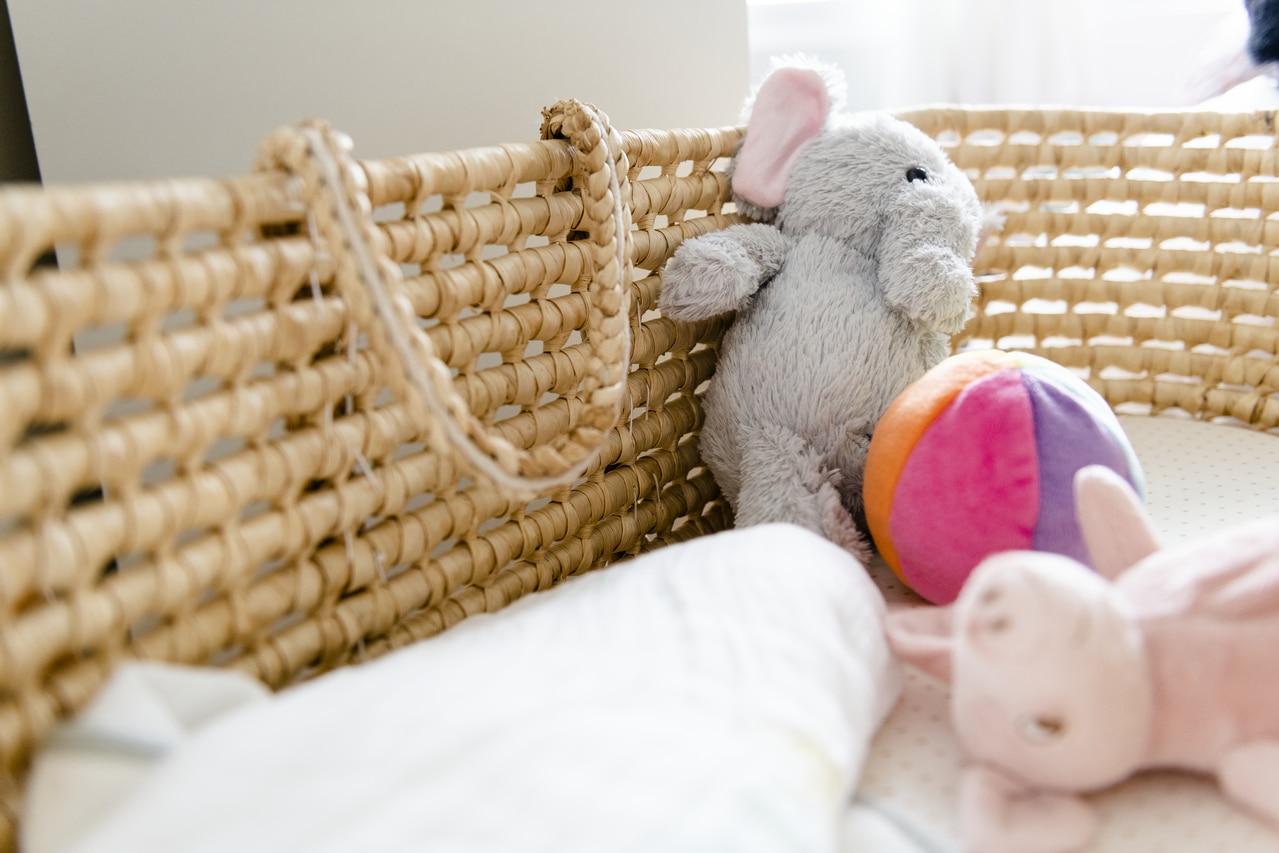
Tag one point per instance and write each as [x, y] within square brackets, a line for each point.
[916, 174]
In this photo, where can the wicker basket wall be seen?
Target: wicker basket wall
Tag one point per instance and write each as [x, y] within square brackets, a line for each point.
[293, 420]
[1139, 249]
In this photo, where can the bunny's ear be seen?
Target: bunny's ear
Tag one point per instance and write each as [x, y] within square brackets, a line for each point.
[923, 637]
[1114, 522]
[790, 108]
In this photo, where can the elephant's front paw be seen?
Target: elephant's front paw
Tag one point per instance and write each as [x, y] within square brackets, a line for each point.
[707, 278]
[935, 288]
[955, 302]
[945, 302]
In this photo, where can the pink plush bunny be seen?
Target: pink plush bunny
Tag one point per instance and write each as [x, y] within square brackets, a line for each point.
[1067, 681]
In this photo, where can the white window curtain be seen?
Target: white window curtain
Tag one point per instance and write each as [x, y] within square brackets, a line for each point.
[897, 53]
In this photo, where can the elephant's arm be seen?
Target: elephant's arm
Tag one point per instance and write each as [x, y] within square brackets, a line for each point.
[930, 284]
[720, 272]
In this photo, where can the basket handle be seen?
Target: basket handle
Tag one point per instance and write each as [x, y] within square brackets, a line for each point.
[333, 188]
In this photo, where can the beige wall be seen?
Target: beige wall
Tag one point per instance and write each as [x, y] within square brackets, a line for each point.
[146, 88]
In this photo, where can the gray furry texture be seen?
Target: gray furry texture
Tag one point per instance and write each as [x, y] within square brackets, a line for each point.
[844, 294]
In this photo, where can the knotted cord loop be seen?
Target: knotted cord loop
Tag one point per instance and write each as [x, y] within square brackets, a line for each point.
[332, 187]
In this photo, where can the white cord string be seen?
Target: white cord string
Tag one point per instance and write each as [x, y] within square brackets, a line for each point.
[414, 349]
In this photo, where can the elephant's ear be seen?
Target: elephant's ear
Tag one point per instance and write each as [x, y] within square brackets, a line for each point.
[1114, 522]
[923, 637]
[790, 108]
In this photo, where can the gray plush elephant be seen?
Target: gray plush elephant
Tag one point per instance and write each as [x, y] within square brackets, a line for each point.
[846, 291]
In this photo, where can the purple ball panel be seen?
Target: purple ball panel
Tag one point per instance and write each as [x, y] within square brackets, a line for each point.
[1068, 438]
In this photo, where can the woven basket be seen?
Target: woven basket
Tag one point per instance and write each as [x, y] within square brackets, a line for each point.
[293, 420]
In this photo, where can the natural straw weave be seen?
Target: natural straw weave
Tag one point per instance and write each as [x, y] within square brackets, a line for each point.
[294, 420]
[1139, 249]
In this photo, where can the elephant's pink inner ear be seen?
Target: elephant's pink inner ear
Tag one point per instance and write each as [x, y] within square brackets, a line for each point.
[790, 109]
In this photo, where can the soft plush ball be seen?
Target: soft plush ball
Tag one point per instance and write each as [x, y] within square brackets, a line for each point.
[979, 456]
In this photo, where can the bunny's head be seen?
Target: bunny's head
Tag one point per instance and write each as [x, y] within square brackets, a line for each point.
[1049, 677]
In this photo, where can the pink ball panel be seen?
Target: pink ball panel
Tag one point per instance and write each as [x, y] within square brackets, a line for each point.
[973, 474]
